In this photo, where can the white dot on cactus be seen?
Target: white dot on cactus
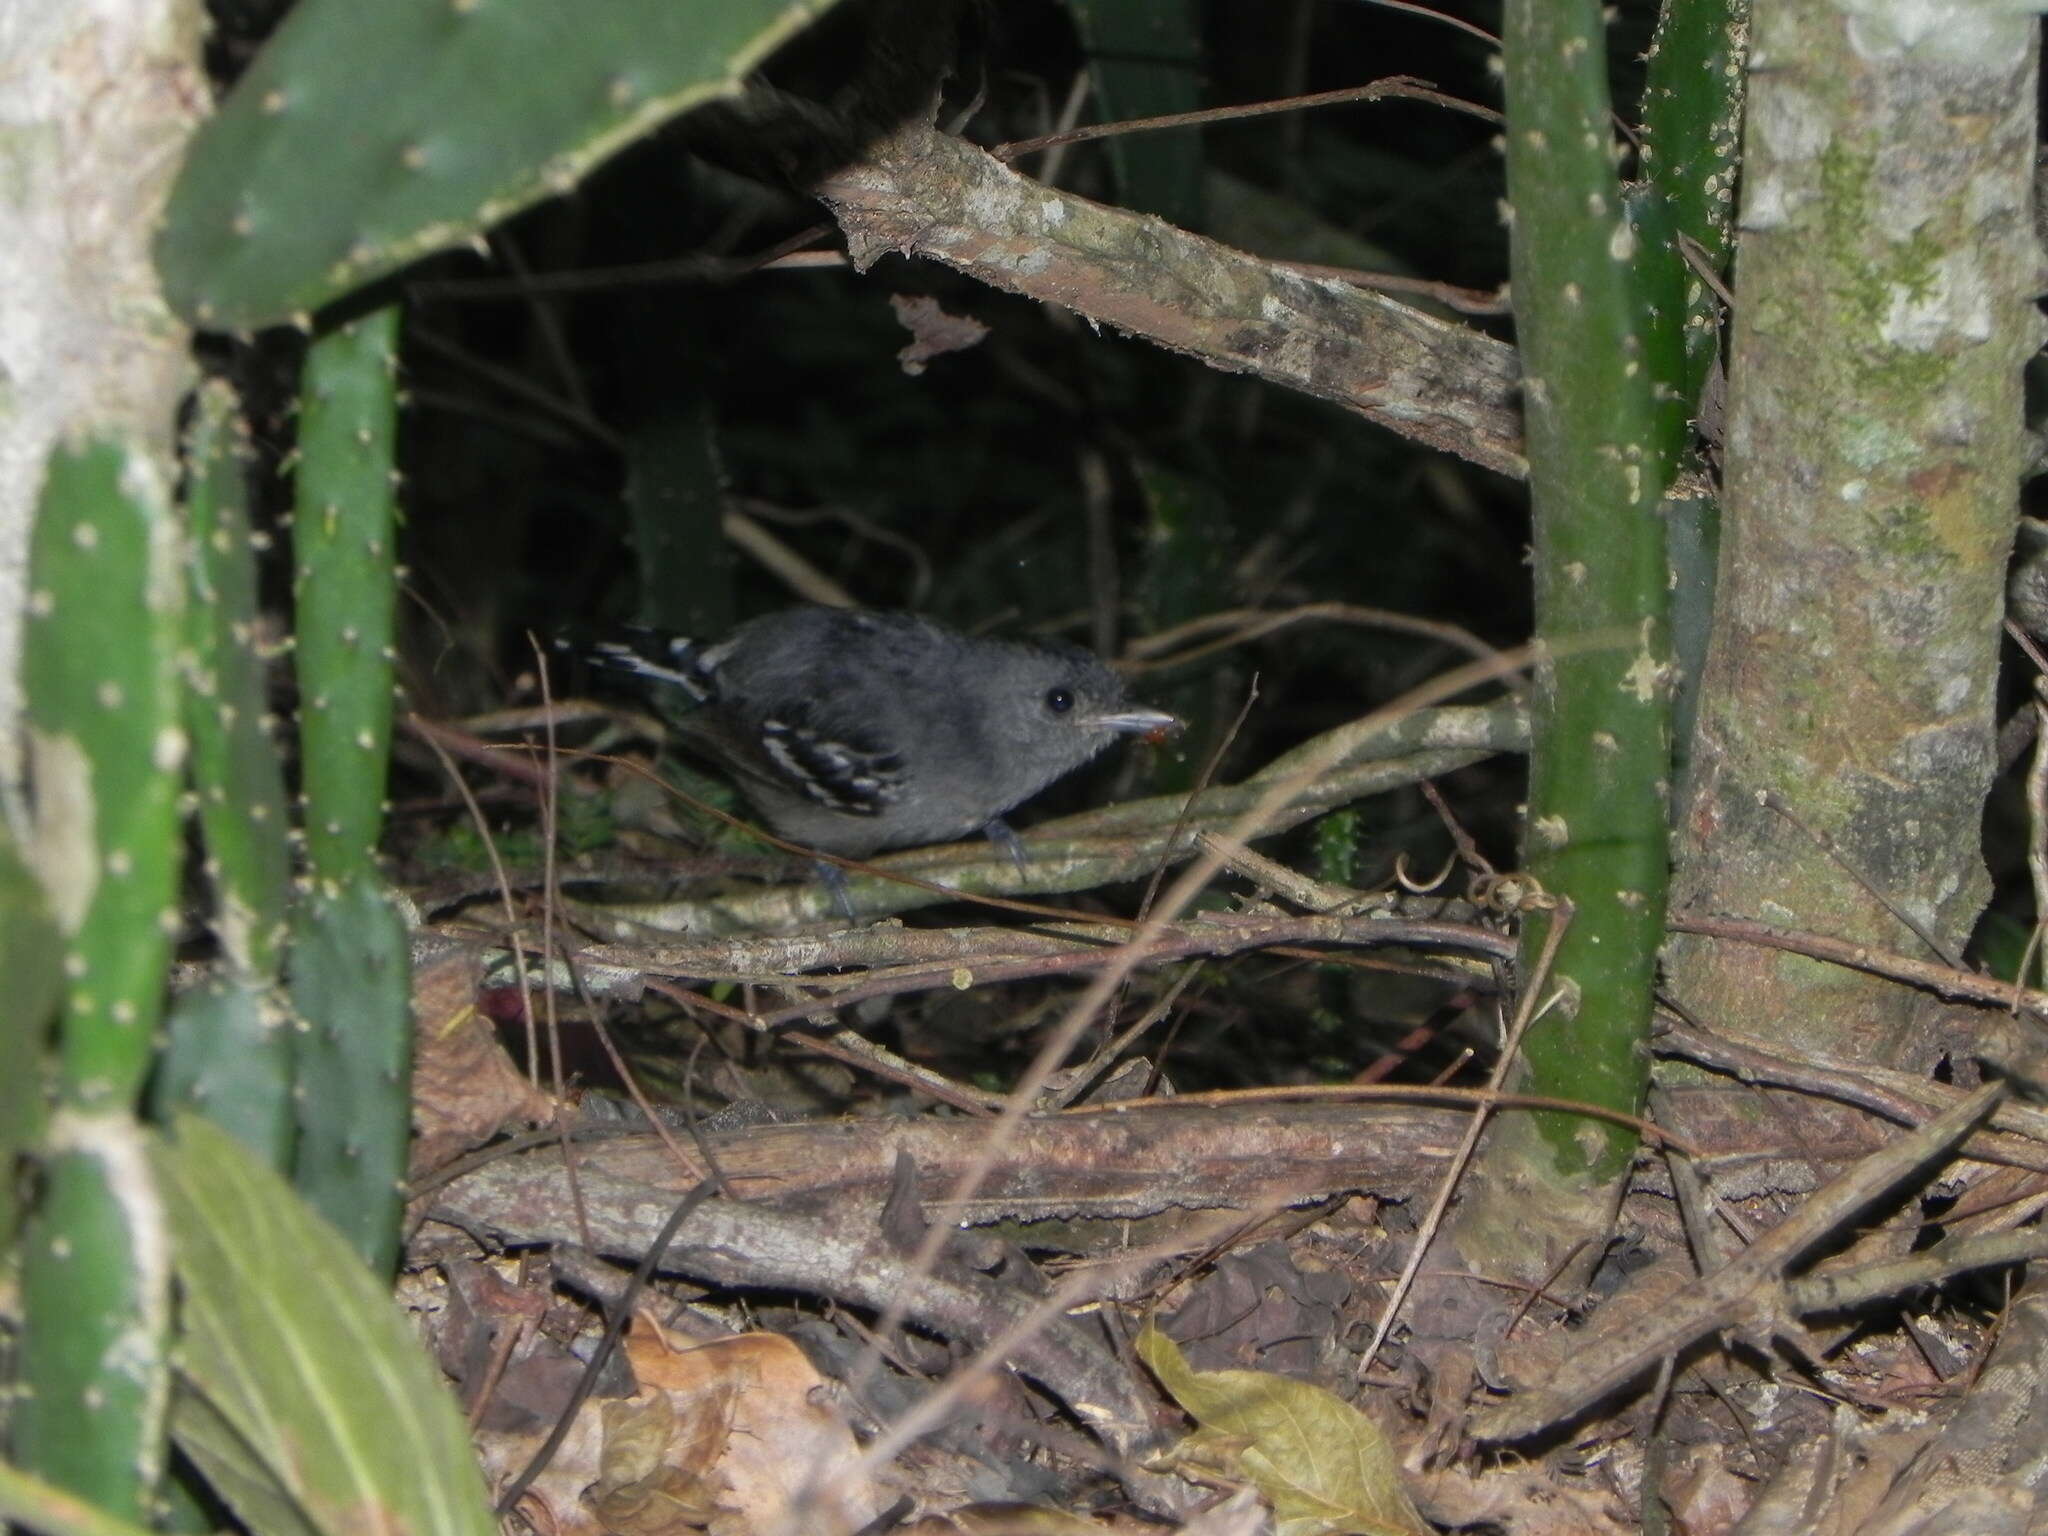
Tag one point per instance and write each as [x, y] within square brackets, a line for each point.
[273, 101]
[74, 966]
[169, 923]
[86, 536]
[350, 635]
[109, 696]
[41, 604]
[120, 863]
[413, 158]
[167, 753]
[334, 829]
[366, 740]
[122, 1012]
[241, 224]
[260, 811]
[60, 1247]
[621, 91]
[228, 715]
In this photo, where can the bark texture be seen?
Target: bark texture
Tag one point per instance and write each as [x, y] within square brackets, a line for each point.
[96, 100]
[1883, 315]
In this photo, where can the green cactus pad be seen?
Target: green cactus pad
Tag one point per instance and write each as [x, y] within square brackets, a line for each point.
[351, 978]
[371, 132]
[235, 771]
[228, 1055]
[107, 752]
[227, 1050]
[29, 950]
[345, 585]
[349, 962]
[106, 761]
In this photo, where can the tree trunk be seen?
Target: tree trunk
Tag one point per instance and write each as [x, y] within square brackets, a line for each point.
[1883, 315]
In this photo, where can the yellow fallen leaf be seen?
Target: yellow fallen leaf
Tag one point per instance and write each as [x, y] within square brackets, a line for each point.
[1324, 1467]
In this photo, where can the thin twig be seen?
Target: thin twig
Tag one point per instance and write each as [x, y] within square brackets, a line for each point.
[682, 269]
[1774, 801]
[1427, 14]
[1403, 87]
[494, 1371]
[515, 938]
[1702, 265]
[2037, 836]
[1526, 1013]
[855, 1050]
[1202, 781]
[622, 1313]
[1085, 1076]
[1843, 1289]
[1467, 301]
[549, 905]
[1304, 891]
[1241, 626]
[1720, 1299]
[1947, 981]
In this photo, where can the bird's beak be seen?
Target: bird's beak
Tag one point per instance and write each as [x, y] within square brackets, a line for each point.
[1136, 722]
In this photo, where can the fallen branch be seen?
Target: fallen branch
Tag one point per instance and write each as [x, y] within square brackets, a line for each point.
[1749, 1290]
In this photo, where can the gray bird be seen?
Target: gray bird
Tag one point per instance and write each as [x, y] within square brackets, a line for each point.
[854, 731]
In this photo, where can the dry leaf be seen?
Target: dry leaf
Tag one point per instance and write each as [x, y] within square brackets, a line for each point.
[786, 1443]
[465, 1088]
[933, 332]
[652, 1479]
[1324, 1467]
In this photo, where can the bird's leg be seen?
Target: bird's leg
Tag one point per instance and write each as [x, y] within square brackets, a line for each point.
[998, 831]
[834, 879]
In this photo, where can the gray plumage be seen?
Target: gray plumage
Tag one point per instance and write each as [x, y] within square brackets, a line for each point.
[854, 731]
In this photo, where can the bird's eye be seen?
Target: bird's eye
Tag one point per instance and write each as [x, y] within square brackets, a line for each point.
[1059, 700]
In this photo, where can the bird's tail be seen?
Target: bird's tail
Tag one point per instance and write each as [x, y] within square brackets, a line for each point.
[656, 656]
